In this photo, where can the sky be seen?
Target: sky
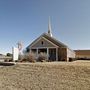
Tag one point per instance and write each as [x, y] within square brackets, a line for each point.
[25, 20]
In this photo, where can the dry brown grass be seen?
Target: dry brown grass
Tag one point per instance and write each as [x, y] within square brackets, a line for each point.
[46, 76]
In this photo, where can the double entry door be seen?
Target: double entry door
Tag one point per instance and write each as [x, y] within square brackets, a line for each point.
[52, 54]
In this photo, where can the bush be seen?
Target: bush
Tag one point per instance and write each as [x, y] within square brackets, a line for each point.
[9, 54]
[72, 59]
[8, 60]
[28, 57]
[21, 57]
[42, 57]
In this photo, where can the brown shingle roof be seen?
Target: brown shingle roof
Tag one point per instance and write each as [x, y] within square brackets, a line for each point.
[55, 41]
[52, 39]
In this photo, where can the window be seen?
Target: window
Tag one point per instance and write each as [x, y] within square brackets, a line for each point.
[42, 43]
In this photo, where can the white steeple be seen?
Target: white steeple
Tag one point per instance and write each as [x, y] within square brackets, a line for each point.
[49, 28]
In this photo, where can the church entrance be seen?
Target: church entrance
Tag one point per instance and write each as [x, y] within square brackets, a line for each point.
[52, 54]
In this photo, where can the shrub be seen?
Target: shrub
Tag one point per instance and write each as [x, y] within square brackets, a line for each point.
[8, 60]
[28, 57]
[42, 57]
[9, 54]
[20, 57]
[72, 59]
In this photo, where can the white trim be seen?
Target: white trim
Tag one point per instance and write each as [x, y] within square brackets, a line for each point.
[37, 52]
[47, 54]
[41, 47]
[35, 42]
[44, 39]
[56, 54]
[30, 50]
[50, 42]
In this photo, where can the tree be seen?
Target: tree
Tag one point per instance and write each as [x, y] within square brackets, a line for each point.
[9, 54]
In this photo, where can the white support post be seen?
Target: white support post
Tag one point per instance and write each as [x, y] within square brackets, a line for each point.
[30, 50]
[47, 54]
[37, 52]
[56, 54]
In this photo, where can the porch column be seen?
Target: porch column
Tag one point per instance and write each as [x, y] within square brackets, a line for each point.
[47, 54]
[37, 52]
[56, 54]
[30, 50]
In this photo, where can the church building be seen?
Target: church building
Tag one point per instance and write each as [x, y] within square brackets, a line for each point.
[55, 50]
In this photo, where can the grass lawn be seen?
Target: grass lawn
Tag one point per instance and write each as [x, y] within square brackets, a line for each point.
[46, 76]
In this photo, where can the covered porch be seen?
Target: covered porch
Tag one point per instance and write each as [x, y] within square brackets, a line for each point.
[52, 53]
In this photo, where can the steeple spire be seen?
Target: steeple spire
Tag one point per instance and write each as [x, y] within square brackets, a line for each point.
[49, 28]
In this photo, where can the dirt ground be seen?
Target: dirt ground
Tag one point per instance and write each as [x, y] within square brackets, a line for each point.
[46, 76]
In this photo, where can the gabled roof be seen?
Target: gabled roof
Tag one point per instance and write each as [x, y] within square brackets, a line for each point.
[52, 39]
[55, 41]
